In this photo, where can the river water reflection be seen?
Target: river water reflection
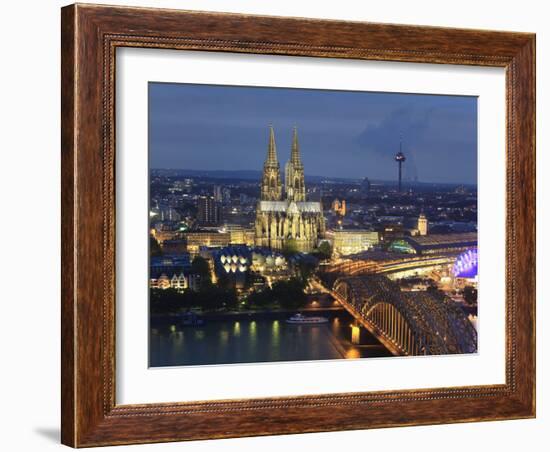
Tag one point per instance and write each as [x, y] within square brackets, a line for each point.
[258, 339]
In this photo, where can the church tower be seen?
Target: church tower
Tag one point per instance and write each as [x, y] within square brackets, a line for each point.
[422, 224]
[295, 187]
[272, 188]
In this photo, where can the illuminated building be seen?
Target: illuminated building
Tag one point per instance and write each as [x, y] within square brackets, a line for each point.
[249, 236]
[239, 235]
[264, 261]
[162, 235]
[435, 243]
[160, 282]
[197, 239]
[240, 258]
[279, 219]
[163, 281]
[352, 241]
[172, 279]
[234, 259]
[422, 225]
[163, 231]
[295, 186]
[238, 263]
[339, 207]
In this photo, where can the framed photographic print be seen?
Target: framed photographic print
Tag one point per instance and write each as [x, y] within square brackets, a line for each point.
[281, 225]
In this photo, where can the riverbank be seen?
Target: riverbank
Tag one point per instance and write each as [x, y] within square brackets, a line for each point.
[279, 314]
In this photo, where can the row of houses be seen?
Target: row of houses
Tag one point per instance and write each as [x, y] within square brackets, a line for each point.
[172, 272]
[175, 281]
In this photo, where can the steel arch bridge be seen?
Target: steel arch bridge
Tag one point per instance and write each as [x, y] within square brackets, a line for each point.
[408, 323]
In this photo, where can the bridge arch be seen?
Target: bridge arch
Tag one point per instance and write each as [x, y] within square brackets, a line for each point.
[415, 323]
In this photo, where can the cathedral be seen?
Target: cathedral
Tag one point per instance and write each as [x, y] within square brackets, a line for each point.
[283, 215]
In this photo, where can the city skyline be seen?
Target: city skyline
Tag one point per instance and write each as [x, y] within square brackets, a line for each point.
[253, 259]
[210, 127]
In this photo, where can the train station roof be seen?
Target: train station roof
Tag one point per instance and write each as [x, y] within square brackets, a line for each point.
[442, 241]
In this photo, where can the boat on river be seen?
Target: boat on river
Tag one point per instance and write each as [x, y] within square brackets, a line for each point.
[299, 319]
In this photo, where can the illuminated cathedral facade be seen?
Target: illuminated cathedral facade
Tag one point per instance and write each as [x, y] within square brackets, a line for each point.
[284, 215]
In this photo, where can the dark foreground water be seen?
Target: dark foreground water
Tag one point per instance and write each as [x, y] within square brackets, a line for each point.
[258, 338]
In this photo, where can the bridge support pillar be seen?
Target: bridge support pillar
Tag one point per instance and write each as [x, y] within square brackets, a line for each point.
[355, 334]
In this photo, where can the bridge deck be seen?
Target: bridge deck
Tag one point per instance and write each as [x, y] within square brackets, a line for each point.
[377, 333]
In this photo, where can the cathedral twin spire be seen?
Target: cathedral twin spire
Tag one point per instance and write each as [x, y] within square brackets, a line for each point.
[295, 153]
[295, 186]
[271, 150]
[271, 189]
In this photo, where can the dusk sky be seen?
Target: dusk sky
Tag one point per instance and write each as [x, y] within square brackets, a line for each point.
[341, 133]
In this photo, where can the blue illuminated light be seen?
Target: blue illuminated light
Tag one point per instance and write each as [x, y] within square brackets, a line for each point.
[465, 265]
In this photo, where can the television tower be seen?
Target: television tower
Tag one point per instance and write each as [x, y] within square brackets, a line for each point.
[400, 158]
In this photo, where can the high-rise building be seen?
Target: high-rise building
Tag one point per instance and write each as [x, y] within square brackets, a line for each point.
[218, 193]
[226, 195]
[209, 211]
[293, 218]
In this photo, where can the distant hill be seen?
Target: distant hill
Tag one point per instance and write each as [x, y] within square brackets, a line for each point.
[215, 174]
[237, 174]
[257, 175]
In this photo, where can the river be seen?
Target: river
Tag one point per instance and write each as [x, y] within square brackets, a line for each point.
[259, 338]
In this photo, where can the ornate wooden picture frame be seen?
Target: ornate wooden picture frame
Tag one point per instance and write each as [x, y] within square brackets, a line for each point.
[90, 37]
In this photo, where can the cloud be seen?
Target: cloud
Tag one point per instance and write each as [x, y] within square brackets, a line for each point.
[342, 133]
[439, 140]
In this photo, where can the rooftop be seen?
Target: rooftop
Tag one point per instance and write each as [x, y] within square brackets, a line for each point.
[434, 240]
